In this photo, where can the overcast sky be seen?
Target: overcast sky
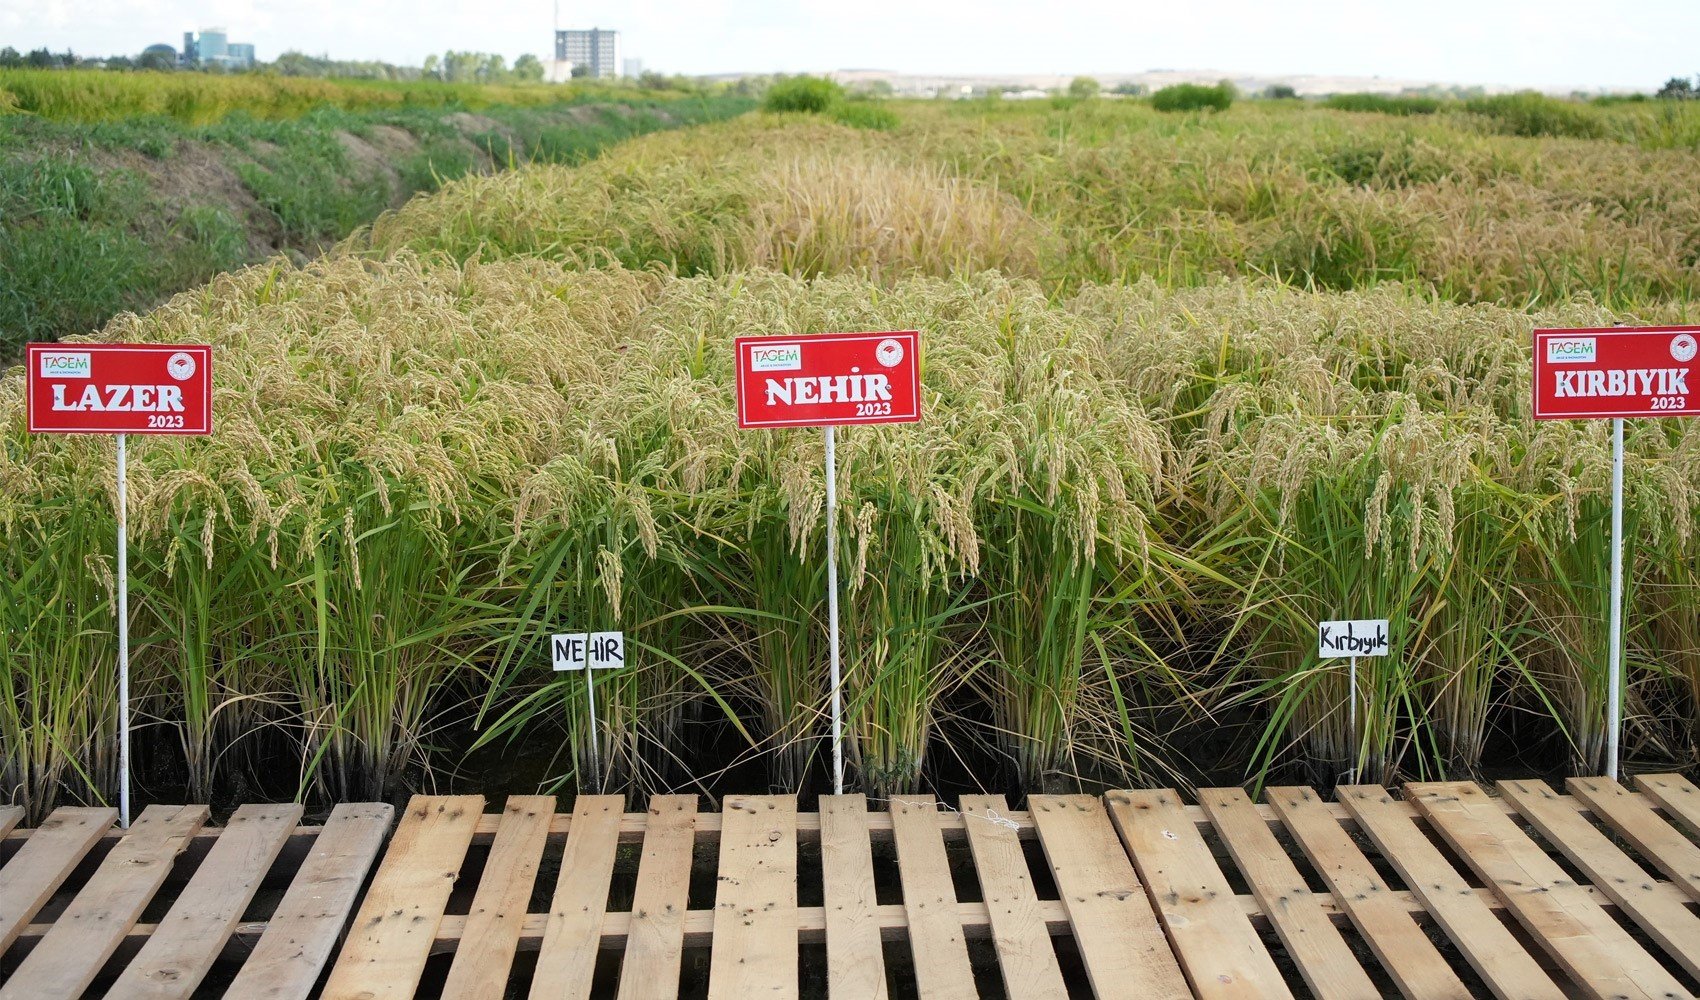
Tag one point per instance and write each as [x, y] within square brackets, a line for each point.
[1541, 43]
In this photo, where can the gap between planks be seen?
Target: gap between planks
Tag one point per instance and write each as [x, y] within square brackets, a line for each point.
[811, 922]
[953, 824]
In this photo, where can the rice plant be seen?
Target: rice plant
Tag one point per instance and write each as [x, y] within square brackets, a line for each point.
[1145, 473]
[1108, 193]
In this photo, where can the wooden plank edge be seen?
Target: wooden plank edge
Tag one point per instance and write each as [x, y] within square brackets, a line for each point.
[632, 825]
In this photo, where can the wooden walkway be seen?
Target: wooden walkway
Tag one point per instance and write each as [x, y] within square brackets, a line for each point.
[1442, 891]
[86, 909]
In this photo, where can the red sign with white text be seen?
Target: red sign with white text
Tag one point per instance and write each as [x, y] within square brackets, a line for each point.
[1617, 372]
[119, 388]
[829, 378]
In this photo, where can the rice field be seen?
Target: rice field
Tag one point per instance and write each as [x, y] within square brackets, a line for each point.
[1191, 385]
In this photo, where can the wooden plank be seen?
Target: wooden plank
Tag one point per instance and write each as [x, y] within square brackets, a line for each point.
[929, 898]
[498, 907]
[1219, 950]
[655, 942]
[1120, 943]
[1316, 946]
[303, 930]
[855, 962]
[1585, 941]
[879, 824]
[178, 954]
[1416, 966]
[44, 862]
[391, 936]
[755, 900]
[1023, 942]
[10, 817]
[567, 959]
[1489, 946]
[1674, 794]
[1657, 907]
[70, 955]
[1659, 842]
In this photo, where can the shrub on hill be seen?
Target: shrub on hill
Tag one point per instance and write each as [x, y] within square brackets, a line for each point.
[803, 93]
[1194, 97]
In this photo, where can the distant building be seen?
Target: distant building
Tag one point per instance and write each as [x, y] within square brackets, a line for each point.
[633, 68]
[598, 51]
[163, 50]
[214, 48]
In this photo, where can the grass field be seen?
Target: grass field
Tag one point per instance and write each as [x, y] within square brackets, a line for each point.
[1193, 383]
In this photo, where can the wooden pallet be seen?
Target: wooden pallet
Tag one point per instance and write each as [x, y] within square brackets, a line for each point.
[1443, 892]
[86, 909]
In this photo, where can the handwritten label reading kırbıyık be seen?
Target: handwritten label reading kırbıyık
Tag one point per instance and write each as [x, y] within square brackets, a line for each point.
[1361, 637]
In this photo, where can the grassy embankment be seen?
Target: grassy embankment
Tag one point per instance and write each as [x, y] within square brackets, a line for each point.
[118, 190]
[1232, 374]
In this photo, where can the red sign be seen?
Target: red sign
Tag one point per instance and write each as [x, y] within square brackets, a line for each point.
[829, 378]
[1617, 372]
[119, 388]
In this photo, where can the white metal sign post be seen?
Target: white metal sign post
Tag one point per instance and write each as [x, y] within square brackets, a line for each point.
[1614, 658]
[832, 611]
[123, 642]
[1352, 639]
[590, 652]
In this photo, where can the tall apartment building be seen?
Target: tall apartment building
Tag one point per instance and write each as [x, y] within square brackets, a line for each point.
[214, 48]
[597, 50]
[213, 45]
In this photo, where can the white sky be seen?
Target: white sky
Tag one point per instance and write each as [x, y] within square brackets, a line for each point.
[1543, 43]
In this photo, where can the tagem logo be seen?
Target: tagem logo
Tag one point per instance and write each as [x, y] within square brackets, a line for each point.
[776, 357]
[66, 365]
[1570, 350]
[1683, 347]
[181, 365]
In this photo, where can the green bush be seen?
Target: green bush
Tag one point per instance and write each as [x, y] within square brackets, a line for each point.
[1385, 104]
[803, 93]
[1083, 88]
[865, 114]
[1528, 113]
[1194, 97]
